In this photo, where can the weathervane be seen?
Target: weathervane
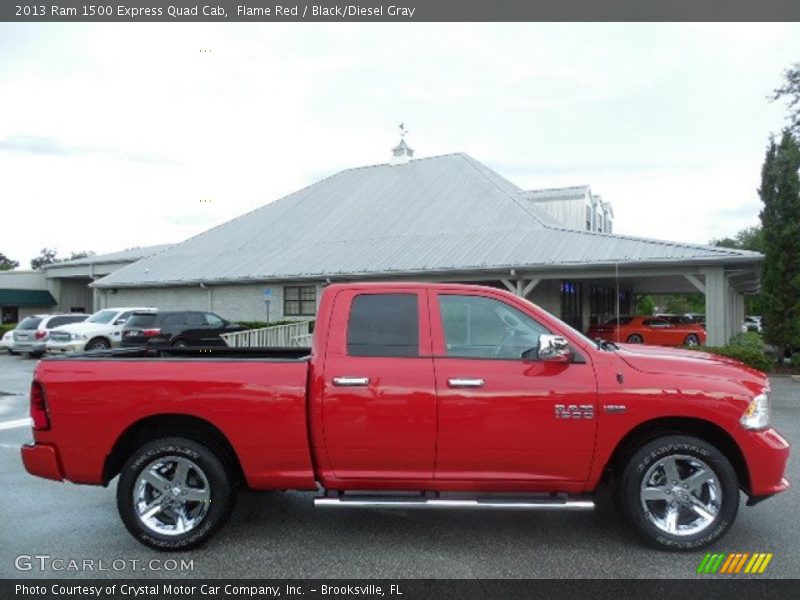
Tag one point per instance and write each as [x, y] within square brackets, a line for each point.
[403, 131]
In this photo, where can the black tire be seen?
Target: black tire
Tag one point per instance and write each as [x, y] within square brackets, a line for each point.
[692, 340]
[222, 497]
[180, 343]
[635, 338]
[647, 456]
[97, 344]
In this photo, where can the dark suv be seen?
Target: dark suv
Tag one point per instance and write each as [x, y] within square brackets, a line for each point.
[176, 329]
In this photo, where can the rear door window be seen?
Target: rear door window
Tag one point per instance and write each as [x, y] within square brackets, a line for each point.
[383, 325]
[64, 320]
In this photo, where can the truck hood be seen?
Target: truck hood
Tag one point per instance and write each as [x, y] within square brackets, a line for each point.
[657, 359]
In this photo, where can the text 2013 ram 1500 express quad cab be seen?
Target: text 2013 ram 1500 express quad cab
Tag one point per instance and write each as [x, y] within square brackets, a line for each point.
[467, 397]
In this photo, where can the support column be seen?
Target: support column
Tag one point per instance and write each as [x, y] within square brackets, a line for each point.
[716, 307]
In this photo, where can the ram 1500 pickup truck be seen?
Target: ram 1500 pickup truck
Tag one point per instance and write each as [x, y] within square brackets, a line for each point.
[413, 396]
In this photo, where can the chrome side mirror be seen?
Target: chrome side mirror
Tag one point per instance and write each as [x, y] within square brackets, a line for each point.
[553, 348]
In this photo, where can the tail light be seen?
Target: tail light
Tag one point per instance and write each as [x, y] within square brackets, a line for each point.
[39, 416]
[151, 332]
[40, 334]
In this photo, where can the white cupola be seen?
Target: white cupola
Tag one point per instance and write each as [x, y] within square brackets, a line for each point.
[401, 153]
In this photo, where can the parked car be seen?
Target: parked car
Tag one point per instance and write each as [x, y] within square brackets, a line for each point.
[752, 323]
[101, 331]
[7, 343]
[431, 396]
[33, 332]
[649, 330]
[179, 328]
[685, 320]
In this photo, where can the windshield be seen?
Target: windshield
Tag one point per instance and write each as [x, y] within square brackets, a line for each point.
[103, 316]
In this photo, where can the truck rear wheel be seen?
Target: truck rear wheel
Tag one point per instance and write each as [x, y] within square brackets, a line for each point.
[174, 494]
[679, 493]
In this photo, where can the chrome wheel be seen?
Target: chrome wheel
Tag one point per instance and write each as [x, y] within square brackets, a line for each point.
[681, 495]
[171, 495]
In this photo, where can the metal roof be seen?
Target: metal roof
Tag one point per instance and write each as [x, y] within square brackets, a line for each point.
[575, 191]
[26, 298]
[129, 255]
[445, 213]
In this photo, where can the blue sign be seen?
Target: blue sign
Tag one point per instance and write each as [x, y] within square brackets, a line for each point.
[267, 294]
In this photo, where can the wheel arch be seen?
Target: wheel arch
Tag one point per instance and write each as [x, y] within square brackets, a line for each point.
[700, 428]
[159, 426]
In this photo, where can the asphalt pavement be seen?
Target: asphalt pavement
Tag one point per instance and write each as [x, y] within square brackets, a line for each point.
[276, 535]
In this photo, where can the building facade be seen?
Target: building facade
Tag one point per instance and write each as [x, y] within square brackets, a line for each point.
[444, 218]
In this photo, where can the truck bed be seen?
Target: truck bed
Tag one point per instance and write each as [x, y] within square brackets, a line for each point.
[279, 354]
[256, 397]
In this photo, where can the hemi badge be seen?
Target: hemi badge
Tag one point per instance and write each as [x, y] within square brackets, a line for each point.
[614, 409]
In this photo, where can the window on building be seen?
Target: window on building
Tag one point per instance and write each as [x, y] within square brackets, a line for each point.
[476, 327]
[10, 314]
[300, 300]
[383, 325]
[572, 304]
[588, 218]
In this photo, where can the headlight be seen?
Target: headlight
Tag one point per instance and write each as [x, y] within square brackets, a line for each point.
[757, 414]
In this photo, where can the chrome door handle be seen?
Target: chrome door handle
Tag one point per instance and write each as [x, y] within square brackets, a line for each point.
[351, 381]
[459, 382]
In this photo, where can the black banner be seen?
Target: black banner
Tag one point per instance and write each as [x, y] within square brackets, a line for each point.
[402, 589]
[401, 11]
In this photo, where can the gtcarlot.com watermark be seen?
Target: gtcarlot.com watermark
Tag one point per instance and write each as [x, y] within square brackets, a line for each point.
[47, 562]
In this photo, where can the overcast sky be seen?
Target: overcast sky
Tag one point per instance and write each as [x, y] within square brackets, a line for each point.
[121, 135]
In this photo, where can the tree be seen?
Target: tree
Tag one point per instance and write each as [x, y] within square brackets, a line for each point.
[47, 256]
[780, 219]
[81, 254]
[790, 90]
[6, 264]
[749, 238]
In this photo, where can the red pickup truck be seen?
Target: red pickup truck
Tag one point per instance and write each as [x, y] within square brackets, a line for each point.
[413, 396]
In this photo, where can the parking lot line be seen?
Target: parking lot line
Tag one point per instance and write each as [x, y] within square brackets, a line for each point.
[26, 422]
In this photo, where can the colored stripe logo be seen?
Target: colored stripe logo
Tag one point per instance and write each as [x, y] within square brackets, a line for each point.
[734, 563]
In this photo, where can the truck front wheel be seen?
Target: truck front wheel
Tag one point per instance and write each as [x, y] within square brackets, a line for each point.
[174, 494]
[679, 492]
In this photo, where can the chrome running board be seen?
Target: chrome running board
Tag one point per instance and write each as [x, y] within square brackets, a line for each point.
[422, 502]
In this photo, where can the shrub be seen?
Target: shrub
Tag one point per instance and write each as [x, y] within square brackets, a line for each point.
[795, 361]
[5, 327]
[757, 359]
[749, 340]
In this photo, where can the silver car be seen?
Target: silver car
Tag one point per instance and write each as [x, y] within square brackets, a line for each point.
[32, 333]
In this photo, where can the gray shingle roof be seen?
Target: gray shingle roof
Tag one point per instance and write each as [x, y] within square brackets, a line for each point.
[445, 213]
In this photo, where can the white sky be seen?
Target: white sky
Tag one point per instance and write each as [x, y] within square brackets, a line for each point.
[113, 133]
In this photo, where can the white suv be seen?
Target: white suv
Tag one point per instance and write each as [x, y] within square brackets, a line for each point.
[101, 331]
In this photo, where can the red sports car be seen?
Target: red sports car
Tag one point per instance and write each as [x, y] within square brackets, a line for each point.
[649, 330]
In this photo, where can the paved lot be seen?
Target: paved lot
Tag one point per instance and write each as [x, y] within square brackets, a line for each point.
[281, 535]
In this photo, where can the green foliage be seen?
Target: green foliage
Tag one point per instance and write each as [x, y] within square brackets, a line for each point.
[6, 327]
[795, 361]
[780, 193]
[47, 256]
[757, 359]
[645, 305]
[6, 264]
[680, 303]
[790, 91]
[749, 340]
[747, 348]
[749, 238]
